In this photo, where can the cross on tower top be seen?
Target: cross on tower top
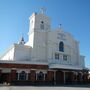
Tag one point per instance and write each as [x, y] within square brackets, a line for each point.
[42, 10]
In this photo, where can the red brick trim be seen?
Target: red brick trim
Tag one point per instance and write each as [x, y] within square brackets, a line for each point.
[33, 76]
[25, 66]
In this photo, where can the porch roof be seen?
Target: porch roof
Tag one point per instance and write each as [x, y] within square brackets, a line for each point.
[61, 66]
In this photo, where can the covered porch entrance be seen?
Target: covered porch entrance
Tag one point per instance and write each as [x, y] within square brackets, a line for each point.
[64, 77]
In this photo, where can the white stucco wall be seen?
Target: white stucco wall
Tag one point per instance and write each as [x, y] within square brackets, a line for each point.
[71, 47]
[43, 44]
[82, 61]
[17, 52]
[22, 52]
[46, 42]
[9, 54]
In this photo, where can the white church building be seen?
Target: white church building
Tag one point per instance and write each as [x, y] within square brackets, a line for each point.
[48, 57]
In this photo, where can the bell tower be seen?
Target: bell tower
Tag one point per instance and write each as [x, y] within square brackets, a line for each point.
[39, 23]
[38, 34]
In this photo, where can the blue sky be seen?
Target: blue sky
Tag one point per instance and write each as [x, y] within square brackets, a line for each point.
[74, 15]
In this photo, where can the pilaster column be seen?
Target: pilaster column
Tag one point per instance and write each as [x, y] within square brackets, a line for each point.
[13, 75]
[0, 74]
[29, 76]
[64, 77]
[33, 75]
[54, 77]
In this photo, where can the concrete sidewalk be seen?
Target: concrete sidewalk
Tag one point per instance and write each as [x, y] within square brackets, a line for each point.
[45, 87]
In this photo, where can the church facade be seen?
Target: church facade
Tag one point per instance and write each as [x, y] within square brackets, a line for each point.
[49, 57]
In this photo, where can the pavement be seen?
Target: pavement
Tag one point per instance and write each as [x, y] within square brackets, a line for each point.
[77, 87]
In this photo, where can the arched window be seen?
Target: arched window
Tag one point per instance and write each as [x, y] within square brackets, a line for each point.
[22, 75]
[40, 76]
[42, 25]
[61, 46]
